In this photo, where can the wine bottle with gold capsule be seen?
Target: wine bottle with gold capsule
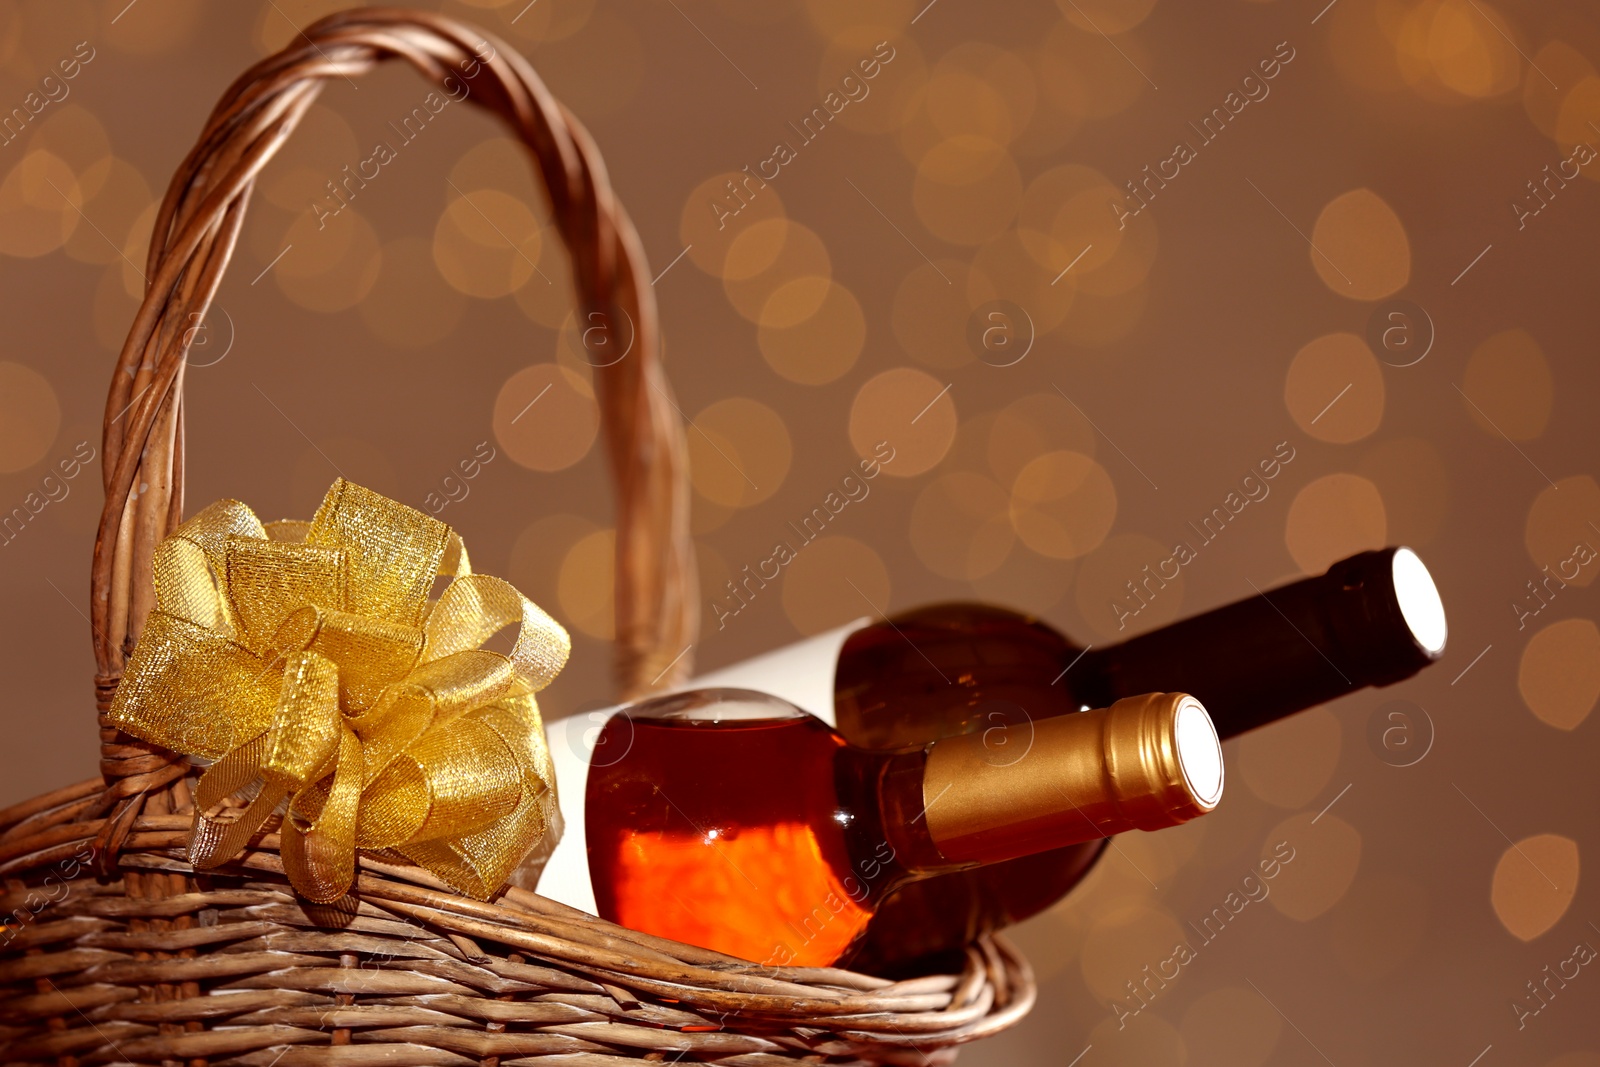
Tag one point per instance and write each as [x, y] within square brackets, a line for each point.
[733, 820]
[1373, 619]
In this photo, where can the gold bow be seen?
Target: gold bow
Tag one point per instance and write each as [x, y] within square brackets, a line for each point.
[307, 660]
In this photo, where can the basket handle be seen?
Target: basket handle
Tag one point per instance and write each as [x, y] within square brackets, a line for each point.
[194, 237]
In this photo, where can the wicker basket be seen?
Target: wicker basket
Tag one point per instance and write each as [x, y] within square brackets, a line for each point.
[116, 951]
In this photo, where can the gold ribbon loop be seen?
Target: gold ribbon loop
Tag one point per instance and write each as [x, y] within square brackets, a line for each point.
[306, 659]
[306, 731]
[268, 580]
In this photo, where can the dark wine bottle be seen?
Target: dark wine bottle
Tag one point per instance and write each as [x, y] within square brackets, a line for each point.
[733, 820]
[1373, 619]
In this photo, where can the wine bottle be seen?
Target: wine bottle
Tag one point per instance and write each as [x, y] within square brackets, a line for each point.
[1373, 619]
[734, 820]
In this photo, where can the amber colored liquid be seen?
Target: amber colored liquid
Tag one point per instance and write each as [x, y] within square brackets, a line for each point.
[737, 836]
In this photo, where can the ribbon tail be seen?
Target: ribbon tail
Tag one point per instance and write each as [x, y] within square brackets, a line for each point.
[320, 857]
[213, 841]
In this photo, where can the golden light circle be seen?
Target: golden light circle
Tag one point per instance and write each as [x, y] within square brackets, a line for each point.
[1006, 269]
[409, 306]
[1120, 942]
[754, 248]
[538, 552]
[30, 417]
[1359, 247]
[1032, 425]
[739, 452]
[585, 586]
[1379, 926]
[319, 168]
[1572, 120]
[759, 14]
[1334, 389]
[1118, 597]
[714, 574]
[833, 580]
[1332, 517]
[961, 526]
[1150, 1042]
[1559, 533]
[1508, 386]
[1066, 218]
[329, 268]
[1363, 47]
[1576, 1059]
[1106, 16]
[908, 412]
[721, 208]
[1415, 485]
[952, 102]
[1559, 677]
[1567, 68]
[929, 314]
[487, 243]
[967, 189]
[39, 202]
[1124, 271]
[794, 302]
[74, 135]
[174, 28]
[498, 162]
[544, 23]
[1469, 48]
[1063, 504]
[113, 311]
[833, 17]
[819, 348]
[1081, 78]
[1230, 1026]
[881, 63]
[546, 417]
[1534, 884]
[1289, 765]
[801, 255]
[980, 88]
[121, 196]
[1097, 320]
[548, 297]
[1326, 856]
[279, 23]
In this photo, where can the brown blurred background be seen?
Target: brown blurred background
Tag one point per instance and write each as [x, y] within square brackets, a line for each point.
[1349, 258]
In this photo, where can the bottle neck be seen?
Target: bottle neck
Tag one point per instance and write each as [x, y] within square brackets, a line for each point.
[1280, 652]
[1145, 763]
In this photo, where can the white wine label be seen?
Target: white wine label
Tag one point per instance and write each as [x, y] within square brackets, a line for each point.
[801, 673]
[566, 874]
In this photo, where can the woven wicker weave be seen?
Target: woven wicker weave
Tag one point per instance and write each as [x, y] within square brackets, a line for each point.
[115, 951]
